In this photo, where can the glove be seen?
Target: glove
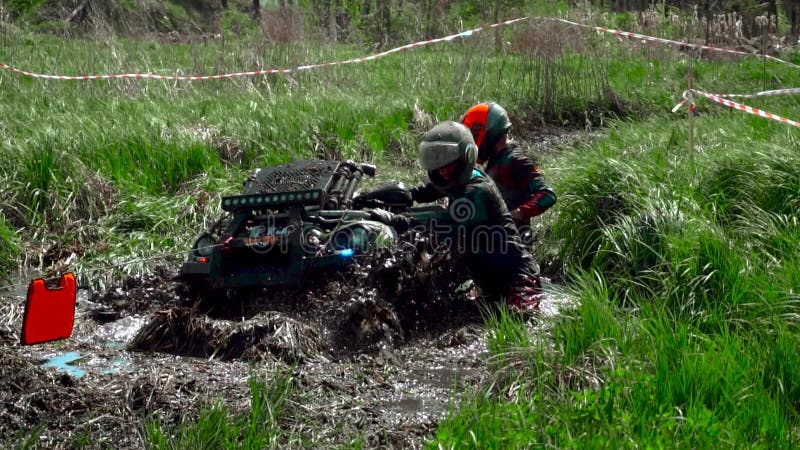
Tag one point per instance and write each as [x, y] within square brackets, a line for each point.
[518, 218]
[381, 215]
[397, 221]
[408, 198]
[394, 193]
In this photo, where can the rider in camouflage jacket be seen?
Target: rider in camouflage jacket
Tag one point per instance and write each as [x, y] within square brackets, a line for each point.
[477, 226]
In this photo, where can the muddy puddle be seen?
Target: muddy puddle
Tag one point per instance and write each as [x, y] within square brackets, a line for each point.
[365, 364]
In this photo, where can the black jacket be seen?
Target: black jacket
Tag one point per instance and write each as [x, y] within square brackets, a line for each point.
[479, 228]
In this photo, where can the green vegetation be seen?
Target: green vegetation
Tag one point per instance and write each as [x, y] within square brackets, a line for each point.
[9, 249]
[218, 427]
[683, 261]
[79, 154]
[685, 267]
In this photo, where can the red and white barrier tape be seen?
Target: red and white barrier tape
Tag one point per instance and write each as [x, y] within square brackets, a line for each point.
[463, 34]
[687, 98]
[680, 44]
[789, 91]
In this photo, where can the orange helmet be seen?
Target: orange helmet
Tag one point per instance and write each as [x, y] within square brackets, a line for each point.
[488, 122]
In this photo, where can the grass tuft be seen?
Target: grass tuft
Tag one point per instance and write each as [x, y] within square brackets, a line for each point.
[218, 427]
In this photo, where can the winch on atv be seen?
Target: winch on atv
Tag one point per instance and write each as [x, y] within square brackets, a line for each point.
[292, 219]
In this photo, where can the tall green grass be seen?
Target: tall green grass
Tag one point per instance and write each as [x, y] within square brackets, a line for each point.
[218, 427]
[9, 249]
[77, 151]
[86, 152]
[684, 267]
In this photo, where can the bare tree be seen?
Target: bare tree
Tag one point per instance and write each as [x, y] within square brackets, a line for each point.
[772, 11]
[385, 14]
[792, 8]
[498, 38]
[334, 19]
[366, 9]
[430, 14]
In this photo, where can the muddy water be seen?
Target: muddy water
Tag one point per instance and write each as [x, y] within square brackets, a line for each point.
[389, 391]
[378, 354]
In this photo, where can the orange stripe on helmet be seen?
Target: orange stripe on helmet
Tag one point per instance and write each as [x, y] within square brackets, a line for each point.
[475, 119]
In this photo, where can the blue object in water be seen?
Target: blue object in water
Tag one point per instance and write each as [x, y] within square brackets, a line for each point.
[346, 253]
[62, 363]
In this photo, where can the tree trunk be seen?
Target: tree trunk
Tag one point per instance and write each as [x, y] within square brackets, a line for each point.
[333, 19]
[324, 13]
[772, 11]
[430, 30]
[385, 12]
[79, 11]
[498, 42]
[707, 14]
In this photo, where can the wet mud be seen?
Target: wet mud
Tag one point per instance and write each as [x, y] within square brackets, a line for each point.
[377, 354]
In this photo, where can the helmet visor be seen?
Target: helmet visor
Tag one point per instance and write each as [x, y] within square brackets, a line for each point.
[436, 154]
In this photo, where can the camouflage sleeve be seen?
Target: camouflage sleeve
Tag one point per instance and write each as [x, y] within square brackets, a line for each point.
[426, 193]
[528, 179]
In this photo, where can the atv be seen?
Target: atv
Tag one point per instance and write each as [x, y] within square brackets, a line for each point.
[295, 219]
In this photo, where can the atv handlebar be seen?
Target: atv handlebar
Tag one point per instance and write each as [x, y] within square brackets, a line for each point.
[334, 216]
[419, 214]
[368, 169]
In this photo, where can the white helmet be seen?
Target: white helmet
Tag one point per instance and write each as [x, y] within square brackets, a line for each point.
[445, 143]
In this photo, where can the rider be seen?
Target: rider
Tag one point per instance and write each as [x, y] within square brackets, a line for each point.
[516, 175]
[479, 226]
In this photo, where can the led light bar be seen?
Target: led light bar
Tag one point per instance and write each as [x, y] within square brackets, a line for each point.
[257, 201]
